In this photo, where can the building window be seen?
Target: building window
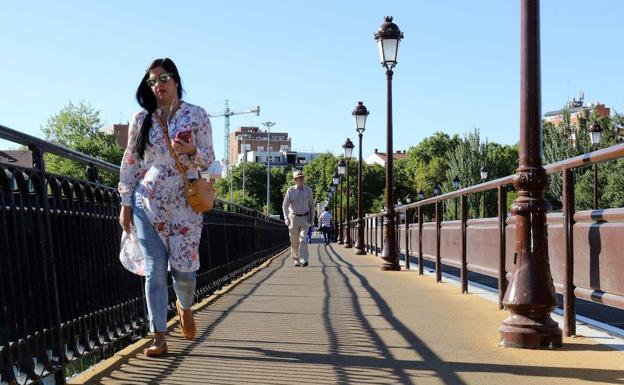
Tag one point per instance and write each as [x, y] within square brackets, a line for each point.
[257, 159]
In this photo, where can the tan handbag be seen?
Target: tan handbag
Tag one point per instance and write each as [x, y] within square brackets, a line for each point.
[199, 193]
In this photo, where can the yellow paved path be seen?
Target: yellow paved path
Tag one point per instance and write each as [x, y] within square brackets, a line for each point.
[342, 320]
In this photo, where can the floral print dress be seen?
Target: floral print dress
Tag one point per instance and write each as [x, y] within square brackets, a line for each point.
[159, 186]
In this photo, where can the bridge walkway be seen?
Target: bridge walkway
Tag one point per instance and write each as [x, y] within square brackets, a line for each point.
[341, 320]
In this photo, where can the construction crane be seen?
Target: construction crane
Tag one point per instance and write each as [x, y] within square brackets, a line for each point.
[226, 150]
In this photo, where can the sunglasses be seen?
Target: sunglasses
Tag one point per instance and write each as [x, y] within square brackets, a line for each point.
[163, 78]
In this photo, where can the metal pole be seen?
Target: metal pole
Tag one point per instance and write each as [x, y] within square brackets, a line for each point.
[244, 163]
[483, 206]
[340, 238]
[359, 243]
[389, 253]
[268, 125]
[348, 242]
[408, 219]
[464, 262]
[421, 259]
[502, 244]
[438, 257]
[569, 299]
[595, 197]
[530, 297]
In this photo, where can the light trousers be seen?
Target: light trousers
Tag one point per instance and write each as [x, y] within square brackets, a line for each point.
[156, 264]
[298, 230]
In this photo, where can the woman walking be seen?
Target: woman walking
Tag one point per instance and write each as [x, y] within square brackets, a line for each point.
[160, 228]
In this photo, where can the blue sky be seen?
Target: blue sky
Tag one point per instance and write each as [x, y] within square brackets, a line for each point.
[307, 63]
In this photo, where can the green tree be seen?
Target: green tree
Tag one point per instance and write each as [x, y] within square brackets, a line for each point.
[246, 200]
[78, 127]
[255, 186]
[466, 162]
[566, 140]
[319, 173]
[438, 145]
[373, 186]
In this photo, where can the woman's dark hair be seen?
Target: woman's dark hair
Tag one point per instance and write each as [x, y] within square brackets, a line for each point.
[146, 99]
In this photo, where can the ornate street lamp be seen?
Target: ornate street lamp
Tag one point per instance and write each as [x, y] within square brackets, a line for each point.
[421, 195]
[360, 113]
[456, 185]
[335, 182]
[437, 190]
[595, 132]
[456, 182]
[388, 37]
[484, 175]
[342, 168]
[530, 297]
[484, 172]
[348, 152]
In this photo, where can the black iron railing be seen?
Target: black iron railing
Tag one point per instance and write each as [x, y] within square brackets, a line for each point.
[63, 292]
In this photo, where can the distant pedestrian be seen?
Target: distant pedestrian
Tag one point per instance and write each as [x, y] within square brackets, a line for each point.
[298, 208]
[310, 230]
[325, 221]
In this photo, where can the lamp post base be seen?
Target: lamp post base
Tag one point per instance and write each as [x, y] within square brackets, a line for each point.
[359, 241]
[391, 265]
[530, 332]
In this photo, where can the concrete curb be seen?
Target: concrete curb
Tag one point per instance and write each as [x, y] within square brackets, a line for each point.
[133, 349]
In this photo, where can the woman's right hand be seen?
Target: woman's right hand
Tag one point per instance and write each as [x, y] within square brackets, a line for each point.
[125, 218]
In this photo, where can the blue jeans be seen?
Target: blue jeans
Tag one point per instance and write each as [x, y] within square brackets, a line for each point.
[156, 263]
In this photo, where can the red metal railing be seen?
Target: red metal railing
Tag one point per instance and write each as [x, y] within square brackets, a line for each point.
[584, 247]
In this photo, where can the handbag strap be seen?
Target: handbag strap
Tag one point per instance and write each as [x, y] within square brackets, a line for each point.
[179, 165]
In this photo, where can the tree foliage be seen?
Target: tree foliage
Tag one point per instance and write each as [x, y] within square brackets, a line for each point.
[439, 158]
[255, 186]
[566, 140]
[78, 127]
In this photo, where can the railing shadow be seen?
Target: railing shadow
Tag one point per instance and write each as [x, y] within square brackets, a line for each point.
[340, 345]
[449, 369]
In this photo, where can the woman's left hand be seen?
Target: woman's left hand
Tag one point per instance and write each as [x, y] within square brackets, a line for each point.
[181, 147]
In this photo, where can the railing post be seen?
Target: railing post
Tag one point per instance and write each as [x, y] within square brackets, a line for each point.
[438, 262]
[49, 259]
[92, 175]
[421, 259]
[382, 239]
[464, 263]
[367, 239]
[569, 299]
[407, 239]
[502, 246]
[375, 235]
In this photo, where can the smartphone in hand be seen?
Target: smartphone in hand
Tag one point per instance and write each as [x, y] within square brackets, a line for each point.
[184, 135]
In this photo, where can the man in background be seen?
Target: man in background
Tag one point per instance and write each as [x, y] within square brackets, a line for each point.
[325, 221]
[298, 208]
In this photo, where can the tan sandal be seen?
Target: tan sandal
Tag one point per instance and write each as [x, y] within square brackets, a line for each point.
[189, 330]
[156, 351]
